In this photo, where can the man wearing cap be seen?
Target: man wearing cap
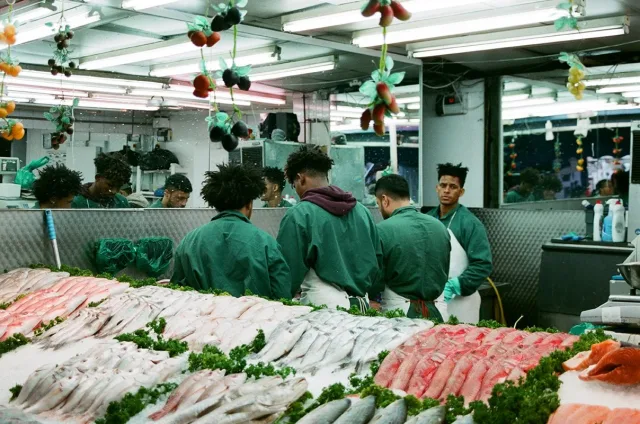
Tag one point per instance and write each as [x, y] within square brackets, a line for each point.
[177, 190]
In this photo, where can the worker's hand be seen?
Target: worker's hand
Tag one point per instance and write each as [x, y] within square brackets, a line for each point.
[452, 288]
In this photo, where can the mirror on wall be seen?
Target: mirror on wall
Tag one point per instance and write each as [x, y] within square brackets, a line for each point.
[559, 148]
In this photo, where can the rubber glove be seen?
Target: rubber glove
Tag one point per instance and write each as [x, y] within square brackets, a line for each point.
[452, 288]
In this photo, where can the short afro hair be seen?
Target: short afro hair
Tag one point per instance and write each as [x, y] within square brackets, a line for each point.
[274, 176]
[308, 159]
[451, 170]
[530, 176]
[178, 182]
[56, 182]
[394, 186]
[113, 168]
[232, 187]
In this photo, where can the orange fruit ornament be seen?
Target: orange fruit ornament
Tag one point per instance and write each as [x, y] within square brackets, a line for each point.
[7, 136]
[10, 30]
[17, 129]
[11, 107]
[18, 135]
[11, 40]
[3, 113]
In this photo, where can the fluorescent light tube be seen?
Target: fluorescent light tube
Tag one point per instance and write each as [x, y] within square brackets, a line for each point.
[353, 115]
[42, 31]
[598, 28]
[564, 108]
[613, 81]
[57, 92]
[89, 104]
[413, 106]
[332, 16]
[138, 54]
[618, 89]
[170, 94]
[66, 85]
[507, 97]
[34, 96]
[144, 4]
[631, 94]
[481, 22]
[529, 102]
[405, 100]
[223, 93]
[30, 15]
[290, 69]
[93, 80]
[251, 57]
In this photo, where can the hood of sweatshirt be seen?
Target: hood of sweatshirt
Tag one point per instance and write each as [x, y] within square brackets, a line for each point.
[332, 199]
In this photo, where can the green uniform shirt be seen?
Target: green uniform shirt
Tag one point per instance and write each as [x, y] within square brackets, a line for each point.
[514, 196]
[343, 250]
[156, 205]
[283, 204]
[233, 255]
[416, 250]
[117, 202]
[472, 235]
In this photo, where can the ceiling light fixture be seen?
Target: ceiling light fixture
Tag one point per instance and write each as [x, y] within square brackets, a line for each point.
[347, 14]
[480, 22]
[43, 31]
[40, 90]
[67, 85]
[406, 100]
[302, 67]
[529, 102]
[618, 80]
[93, 80]
[144, 4]
[598, 28]
[254, 57]
[181, 95]
[29, 14]
[558, 109]
[91, 104]
[618, 89]
[413, 106]
[138, 54]
[223, 93]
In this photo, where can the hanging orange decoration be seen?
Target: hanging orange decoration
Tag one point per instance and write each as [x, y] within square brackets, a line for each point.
[10, 129]
[580, 153]
[617, 149]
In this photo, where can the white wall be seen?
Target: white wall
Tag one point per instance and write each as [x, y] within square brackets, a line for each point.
[458, 138]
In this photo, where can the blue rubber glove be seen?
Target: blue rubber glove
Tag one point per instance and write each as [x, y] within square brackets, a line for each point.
[452, 288]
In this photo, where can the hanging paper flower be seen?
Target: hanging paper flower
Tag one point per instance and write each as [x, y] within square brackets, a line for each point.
[568, 22]
[388, 9]
[382, 102]
[575, 84]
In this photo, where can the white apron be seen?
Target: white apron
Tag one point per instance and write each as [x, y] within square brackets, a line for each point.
[318, 292]
[392, 301]
[465, 308]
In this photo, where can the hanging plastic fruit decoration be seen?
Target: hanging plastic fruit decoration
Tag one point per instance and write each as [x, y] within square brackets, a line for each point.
[200, 33]
[379, 90]
[60, 63]
[10, 129]
[63, 119]
[570, 21]
[513, 156]
[580, 153]
[557, 150]
[617, 149]
[224, 128]
[575, 84]
[203, 84]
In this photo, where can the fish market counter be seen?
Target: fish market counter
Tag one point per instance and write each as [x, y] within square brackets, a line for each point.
[575, 277]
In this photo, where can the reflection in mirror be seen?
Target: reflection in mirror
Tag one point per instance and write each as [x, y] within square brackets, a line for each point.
[559, 148]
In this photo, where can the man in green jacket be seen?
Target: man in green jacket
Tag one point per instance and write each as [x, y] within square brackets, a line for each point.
[112, 172]
[275, 181]
[56, 187]
[177, 190]
[230, 253]
[329, 240]
[469, 235]
[416, 250]
[529, 181]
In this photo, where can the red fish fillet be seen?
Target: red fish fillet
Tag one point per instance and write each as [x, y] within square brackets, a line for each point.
[498, 373]
[473, 384]
[620, 366]
[498, 334]
[589, 414]
[405, 371]
[458, 376]
[423, 374]
[564, 412]
[623, 416]
[584, 360]
[389, 368]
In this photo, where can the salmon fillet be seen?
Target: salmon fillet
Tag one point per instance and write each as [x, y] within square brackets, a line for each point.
[620, 366]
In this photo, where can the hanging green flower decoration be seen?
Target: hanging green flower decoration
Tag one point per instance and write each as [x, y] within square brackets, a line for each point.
[570, 21]
[379, 90]
[228, 14]
[62, 117]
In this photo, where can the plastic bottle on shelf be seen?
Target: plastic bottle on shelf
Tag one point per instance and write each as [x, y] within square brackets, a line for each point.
[598, 211]
[618, 229]
[607, 226]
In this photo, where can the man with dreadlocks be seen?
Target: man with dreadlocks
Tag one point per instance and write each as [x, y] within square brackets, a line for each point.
[56, 187]
[229, 253]
[329, 240]
[111, 173]
[274, 180]
[470, 260]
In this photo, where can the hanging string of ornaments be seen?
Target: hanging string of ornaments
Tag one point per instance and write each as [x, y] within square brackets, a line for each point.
[617, 150]
[379, 90]
[10, 129]
[557, 150]
[580, 153]
[513, 156]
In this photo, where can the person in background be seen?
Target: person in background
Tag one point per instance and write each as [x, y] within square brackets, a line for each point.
[604, 188]
[329, 240]
[177, 190]
[136, 200]
[56, 187]
[470, 261]
[274, 180]
[229, 253]
[104, 193]
[529, 180]
[415, 248]
[621, 181]
[550, 186]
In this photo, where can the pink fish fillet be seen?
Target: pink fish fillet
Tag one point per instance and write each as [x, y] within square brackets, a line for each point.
[405, 371]
[473, 383]
[23, 325]
[623, 416]
[389, 368]
[533, 339]
[423, 374]
[441, 376]
[458, 376]
[569, 341]
[514, 338]
[177, 395]
[589, 414]
[498, 373]
[498, 334]
[476, 335]
[564, 412]
[554, 339]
